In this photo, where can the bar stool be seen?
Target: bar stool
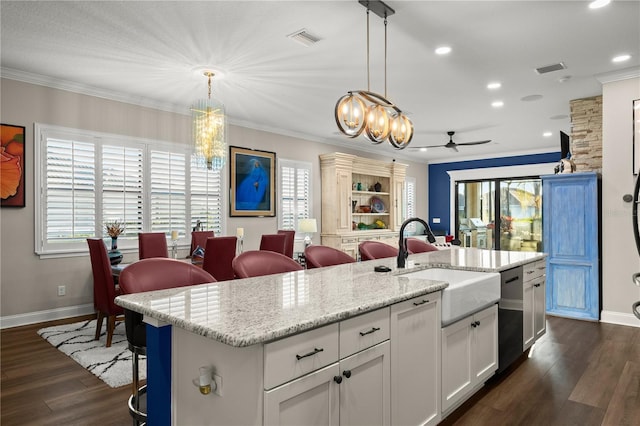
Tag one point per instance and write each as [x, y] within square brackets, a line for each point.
[150, 274]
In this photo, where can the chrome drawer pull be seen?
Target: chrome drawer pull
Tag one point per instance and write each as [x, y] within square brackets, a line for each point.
[421, 303]
[373, 330]
[313, 352]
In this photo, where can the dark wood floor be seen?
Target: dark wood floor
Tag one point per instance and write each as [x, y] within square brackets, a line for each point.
[579, 373]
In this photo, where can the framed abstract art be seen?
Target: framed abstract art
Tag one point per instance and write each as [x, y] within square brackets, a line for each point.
[252, 177]
[12, 166]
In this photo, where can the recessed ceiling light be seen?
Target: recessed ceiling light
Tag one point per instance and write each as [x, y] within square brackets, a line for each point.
[621, 58]
[443, 50]
[423, 149]
[547, 134]
[597, 4]
[494, 85]
[497, 104]
[559, 117]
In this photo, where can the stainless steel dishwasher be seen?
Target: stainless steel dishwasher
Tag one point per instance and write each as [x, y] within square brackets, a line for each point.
[510, 317]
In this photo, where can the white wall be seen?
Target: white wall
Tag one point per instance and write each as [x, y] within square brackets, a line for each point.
[619, 255]
[28, 284]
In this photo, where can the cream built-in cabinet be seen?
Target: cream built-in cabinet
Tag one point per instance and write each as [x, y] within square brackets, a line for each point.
[348, 189]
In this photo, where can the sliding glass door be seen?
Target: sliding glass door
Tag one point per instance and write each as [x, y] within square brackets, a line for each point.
[518, 224]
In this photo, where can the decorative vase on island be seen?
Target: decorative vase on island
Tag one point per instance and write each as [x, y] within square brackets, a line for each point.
[115, 256]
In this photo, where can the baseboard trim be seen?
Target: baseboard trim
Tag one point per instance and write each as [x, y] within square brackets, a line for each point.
[48, 315]
[619, 318]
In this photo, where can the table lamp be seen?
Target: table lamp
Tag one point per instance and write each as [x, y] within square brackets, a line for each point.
[308, 226]
[174, 244]
[240, 236]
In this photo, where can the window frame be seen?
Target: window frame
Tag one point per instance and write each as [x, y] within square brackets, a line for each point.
[297, 165]
[42, 132]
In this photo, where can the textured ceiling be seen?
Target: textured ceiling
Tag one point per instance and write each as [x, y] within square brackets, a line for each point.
[146, 52]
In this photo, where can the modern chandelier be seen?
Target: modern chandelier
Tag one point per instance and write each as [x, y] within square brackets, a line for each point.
[369, 113]
[209, 130]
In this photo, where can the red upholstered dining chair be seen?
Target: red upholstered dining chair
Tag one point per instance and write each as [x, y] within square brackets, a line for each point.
[104, 288]
[274, 242]
[415, 245]
[147, 275]
[319, 256]
[199, 238]
[218, 257]
[152, 244]
[256, 263]
[289, 241]
[370, 250]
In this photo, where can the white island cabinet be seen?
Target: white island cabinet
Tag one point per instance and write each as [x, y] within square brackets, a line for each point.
[415, 361]
[330, 346]
[469, 356]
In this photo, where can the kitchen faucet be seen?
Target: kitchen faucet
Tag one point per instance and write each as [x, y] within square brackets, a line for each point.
[402, 242]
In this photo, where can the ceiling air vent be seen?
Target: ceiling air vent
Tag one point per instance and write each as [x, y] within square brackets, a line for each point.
[550, 68]
[303, 37]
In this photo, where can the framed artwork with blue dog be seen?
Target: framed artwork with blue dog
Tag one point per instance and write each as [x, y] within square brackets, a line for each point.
[252, 177]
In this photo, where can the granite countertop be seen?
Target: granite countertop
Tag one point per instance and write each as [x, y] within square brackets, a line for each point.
[257, 310]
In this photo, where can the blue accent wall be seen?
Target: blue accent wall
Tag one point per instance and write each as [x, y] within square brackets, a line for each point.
[439, 183]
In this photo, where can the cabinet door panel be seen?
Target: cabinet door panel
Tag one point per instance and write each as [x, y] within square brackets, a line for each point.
[539, 317]
[527, 315]
[415, 361]
[364, 394]
[486, 343]
[310, 400]
[344, 201]
[457, 375]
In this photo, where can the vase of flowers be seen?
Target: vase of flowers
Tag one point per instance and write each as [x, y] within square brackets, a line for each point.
[114, 229]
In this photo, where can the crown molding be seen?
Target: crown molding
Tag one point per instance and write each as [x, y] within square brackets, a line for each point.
[70, 86]
[624, 74]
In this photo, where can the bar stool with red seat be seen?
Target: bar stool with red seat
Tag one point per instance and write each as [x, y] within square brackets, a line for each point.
[415, 245]
[148, 275]
[370, 250]
[256, 263]
[319, 256]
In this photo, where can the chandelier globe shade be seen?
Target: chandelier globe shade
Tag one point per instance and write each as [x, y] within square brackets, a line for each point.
[378, 128]
[401, 131]
[209, 131]
[350, 115]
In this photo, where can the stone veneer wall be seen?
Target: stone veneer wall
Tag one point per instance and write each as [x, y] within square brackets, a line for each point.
[586, 134]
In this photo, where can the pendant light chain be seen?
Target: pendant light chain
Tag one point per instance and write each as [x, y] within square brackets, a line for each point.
[385, 57]
[209, 74]
[368, 67]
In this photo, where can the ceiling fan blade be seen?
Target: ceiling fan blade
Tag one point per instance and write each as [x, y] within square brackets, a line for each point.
[474, 143]
[454, 147]
[428, 146]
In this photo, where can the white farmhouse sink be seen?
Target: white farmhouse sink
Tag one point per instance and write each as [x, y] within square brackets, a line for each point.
[468, 291]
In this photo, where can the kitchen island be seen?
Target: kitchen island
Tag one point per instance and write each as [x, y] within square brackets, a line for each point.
[249, 331]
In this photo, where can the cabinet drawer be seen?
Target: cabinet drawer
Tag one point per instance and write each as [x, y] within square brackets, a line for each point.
[297, 355]
[534, 270]
[368, 238]
[349, 240]
[363, 331]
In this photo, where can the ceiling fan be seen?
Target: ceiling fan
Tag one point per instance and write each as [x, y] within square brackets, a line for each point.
[451, 144]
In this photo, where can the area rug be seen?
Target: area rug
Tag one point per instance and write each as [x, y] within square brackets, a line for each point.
[111, 365]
